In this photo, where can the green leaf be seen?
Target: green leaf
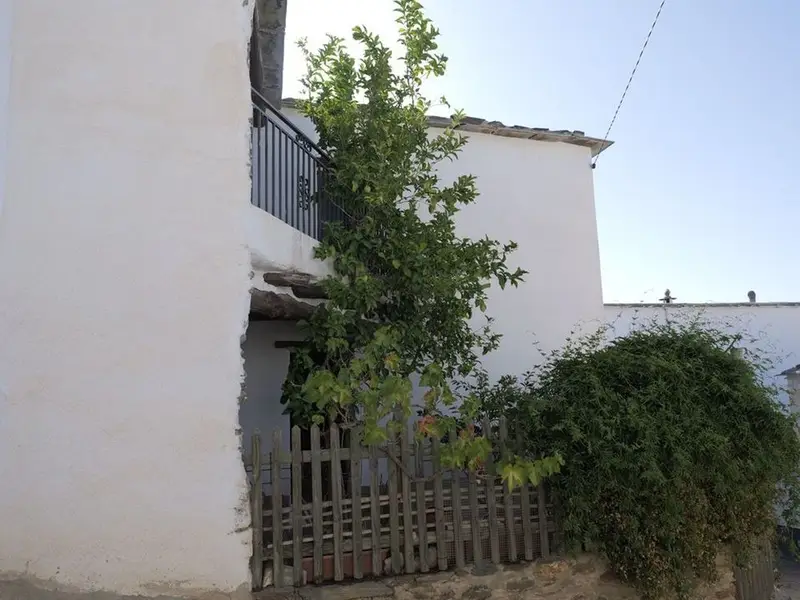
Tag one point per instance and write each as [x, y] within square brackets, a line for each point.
[512, 475]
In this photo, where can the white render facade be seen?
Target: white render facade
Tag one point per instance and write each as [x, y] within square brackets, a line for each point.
[771, 330]
[124, 294]
[130, 258]
[537, 192]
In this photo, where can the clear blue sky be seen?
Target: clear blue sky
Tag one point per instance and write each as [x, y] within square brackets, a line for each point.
[697, 193]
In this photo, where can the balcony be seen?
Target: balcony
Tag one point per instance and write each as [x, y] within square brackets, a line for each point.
[290, 172]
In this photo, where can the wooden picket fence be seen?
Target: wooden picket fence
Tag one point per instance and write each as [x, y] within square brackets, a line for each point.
[347, 510]
[756, 581]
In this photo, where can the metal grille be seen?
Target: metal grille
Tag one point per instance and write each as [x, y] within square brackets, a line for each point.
[291, 175]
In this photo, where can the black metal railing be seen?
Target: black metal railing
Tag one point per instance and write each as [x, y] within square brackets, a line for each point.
[290, 172]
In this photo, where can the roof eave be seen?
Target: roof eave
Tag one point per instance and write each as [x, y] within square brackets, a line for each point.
[477, 125]
[577, 138]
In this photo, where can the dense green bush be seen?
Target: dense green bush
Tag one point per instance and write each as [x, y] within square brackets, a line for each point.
[673, 448]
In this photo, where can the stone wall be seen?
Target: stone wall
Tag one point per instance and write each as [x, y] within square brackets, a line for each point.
[582, 578]
[270, 26]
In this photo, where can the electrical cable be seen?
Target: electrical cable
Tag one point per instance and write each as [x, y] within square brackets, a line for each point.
[630, 79]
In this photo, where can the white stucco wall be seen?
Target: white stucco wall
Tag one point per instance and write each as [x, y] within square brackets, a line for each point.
[541, 195]
[266, 368]
[124, 270]
[771, 329]
[277, 246]
[5, 76]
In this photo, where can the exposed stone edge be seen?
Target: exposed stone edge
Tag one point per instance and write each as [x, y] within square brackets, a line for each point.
[302, 285]
[27, 588]
[699, 304]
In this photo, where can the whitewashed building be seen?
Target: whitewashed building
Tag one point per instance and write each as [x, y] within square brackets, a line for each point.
[137, 246]
[536, 189]
[769, 330]
[792, 375]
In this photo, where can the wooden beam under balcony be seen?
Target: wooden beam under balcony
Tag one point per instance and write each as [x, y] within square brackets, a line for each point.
[302, 285]
[274, 306]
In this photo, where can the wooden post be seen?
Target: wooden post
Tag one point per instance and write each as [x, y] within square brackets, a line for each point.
[422, 516]
[336, 495]
[394, 517]
[438, 504]
[277, 510]
[507, 496]
[297, 508]
[355, 495]
[491, 500]
[458, 515]
[408, 526]
[257, 516]
[375, 511]
[475, 520]
[316, 502]
[558, 534]
[544, 540]
[525, 505]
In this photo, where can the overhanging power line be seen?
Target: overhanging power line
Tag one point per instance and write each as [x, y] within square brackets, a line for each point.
[633, 73]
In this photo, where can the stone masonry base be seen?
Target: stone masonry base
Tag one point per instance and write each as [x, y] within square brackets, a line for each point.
[582, 578]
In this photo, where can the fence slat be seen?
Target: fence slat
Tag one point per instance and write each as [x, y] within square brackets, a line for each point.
[438, 504]
[394, 517]
[277, 510]
[405, 485]
[328, 519]
[508, 500]
[297, 508]
[544, 539]
[475, 520]
[355, 489]
[422, 517]
[525, 509]
[491, 500]
[336, 496]
[316, 502]
[458, 515]
[257, 510]
[375, 512]
[557, 545]
[756, 579]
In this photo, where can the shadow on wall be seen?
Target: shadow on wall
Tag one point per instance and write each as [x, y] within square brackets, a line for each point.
[265, 367]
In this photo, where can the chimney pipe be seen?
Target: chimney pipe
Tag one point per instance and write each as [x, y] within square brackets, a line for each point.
[751, 295]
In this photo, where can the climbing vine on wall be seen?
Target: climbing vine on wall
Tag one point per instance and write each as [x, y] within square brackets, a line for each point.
[406, 285]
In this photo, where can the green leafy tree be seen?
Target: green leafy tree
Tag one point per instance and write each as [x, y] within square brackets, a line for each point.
[405, 285]
[675, 448]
